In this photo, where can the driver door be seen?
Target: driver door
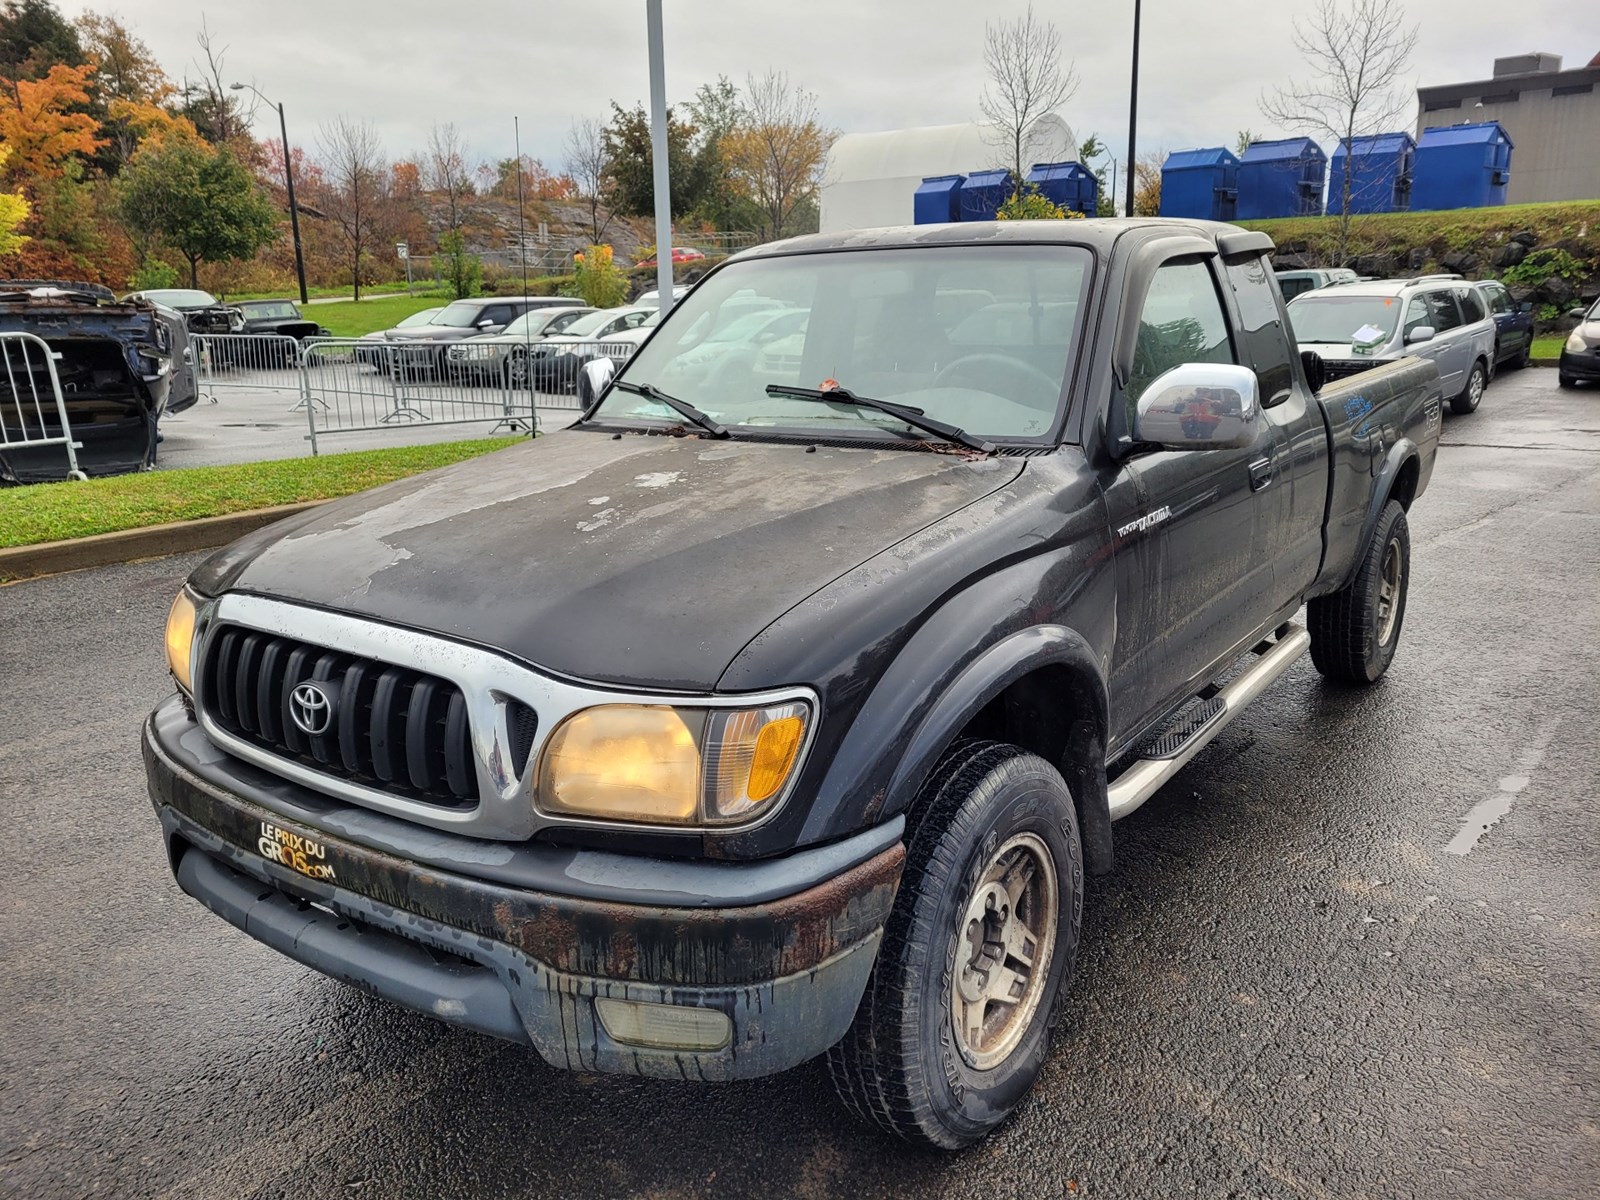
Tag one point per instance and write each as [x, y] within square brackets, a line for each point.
[1194, 577]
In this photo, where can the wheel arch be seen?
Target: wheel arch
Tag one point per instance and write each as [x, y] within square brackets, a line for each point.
[1040, 689]
[1398, 479]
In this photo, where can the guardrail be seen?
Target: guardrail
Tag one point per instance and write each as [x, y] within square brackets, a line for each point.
[25, 413]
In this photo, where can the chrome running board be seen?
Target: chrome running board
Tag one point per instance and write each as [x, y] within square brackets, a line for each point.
[1144, 777]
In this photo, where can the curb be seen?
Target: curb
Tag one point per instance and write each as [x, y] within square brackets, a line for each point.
[152, 541]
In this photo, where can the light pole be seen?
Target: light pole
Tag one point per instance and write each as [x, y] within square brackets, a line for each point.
[288, 182]
[658, 152]
[1133, 113]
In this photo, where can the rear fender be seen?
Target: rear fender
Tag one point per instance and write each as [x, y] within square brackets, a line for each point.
[1383, 487]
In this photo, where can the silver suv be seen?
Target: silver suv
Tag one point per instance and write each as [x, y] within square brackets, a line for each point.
[1356, 326]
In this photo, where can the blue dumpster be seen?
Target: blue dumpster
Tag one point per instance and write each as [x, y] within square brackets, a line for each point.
[1462, 166]
[1067, 185]
[1202, 184]
[938, 200]
[1381, 173]
[983, 193]
[1281, 178]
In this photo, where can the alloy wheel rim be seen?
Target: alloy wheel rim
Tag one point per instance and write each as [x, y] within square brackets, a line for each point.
[1475, 388]
[1005, 937]
[519, 369]
[1389, 592]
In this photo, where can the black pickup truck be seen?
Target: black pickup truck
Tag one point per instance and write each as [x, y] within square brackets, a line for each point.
[779, 709]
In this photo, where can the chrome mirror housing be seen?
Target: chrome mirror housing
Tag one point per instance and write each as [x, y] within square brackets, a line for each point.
[1200, 406]
[594, 377]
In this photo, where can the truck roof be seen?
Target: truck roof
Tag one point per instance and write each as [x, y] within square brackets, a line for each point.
[1097, 233]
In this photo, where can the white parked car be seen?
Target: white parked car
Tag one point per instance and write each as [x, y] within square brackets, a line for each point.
[1356, 326]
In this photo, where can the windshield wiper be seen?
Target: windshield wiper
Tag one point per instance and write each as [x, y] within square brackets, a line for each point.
[682, 407]
[900, 412]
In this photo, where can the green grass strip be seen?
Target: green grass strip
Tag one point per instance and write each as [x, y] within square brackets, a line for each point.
[48, 512]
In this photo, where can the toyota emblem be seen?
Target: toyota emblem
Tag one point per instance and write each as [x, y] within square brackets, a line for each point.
[311, 709]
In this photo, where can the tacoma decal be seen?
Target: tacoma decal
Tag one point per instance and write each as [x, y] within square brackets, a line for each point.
[1146, 521]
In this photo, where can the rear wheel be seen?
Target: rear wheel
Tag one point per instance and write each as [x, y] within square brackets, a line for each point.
[1355, 631]
[1472, 394]
[963, 999]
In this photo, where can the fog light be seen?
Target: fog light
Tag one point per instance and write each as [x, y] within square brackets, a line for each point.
[664, 1026]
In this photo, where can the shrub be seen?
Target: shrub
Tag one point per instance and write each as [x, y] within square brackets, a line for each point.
[1541, 265]
[597, 278]
[1028, 203]
[463, 272]
[153, 274]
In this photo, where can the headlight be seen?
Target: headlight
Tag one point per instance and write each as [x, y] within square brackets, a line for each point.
[180, 639]
[671, 766]
[1576, 343]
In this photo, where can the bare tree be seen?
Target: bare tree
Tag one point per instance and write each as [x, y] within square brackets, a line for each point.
[588, 163]
[355, 188]
[777, 147]
[1356, 51]
[1027, 82]
[220, 117]
[447, 168]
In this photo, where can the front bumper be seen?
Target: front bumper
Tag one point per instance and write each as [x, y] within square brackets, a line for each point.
[1585, 365]
[460, 928]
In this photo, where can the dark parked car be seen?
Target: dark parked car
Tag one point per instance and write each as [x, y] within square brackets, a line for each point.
[1580, 354]
[121, 367]
[423, 352]
[202, 311]
[755, 718]
[1513, 324]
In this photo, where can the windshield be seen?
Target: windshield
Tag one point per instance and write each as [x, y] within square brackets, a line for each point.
[1324, 316]
[425, 317]
[181, 298]
[537, 320]
[975, 336]
[463, 314]
[269, 308]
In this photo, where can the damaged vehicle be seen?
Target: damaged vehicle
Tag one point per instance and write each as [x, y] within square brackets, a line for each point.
[121, 366]
[781, 708]
[202, 312]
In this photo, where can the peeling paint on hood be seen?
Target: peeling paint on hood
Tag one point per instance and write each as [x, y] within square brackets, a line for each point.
[648, 561]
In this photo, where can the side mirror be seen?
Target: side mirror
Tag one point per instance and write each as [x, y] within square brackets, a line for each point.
[1577, 313]
[1316, 370]
[594, 377]
[1200, 406]
[485, 325]
[1422, 333]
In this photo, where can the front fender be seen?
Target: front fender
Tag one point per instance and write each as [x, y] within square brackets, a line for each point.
[975, 645]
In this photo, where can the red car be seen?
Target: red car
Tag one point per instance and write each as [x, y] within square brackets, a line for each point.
[680, 254]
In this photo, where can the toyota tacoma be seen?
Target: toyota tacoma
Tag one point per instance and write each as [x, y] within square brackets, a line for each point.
[779, 707]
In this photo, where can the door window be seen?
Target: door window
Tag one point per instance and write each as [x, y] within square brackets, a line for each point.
[1418, 314]
[1445, 313]
[1471, 303]
[1499, 299]
[496, 314]
[1262, 339]
[1181, 322]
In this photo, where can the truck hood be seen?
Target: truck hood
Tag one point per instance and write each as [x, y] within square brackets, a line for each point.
[643, 560]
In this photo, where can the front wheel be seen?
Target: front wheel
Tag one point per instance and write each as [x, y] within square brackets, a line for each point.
[1470, 395]
[1355, 631]
[963, 999]
[516, 371]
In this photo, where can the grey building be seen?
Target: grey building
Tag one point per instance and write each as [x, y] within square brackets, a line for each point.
[1553, 117]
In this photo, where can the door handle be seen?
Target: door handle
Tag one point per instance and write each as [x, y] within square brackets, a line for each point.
[1260, 474]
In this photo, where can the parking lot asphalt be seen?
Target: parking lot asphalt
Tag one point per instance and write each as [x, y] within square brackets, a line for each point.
[258, 416]
[1315, 973]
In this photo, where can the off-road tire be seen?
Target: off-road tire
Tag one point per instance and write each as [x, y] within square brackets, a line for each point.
[899, 1066]
[1472, 394]
[1353, 634]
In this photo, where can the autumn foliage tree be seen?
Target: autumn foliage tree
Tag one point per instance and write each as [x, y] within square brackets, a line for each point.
[42, 122]
[777, 149]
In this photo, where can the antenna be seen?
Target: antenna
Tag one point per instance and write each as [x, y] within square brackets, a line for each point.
[522, 251]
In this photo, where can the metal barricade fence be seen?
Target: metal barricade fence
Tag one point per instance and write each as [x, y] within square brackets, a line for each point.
[33, 412]
[253, 362]
[359, 385]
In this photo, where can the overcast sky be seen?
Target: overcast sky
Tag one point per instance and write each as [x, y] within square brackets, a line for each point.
[875, 65]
